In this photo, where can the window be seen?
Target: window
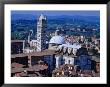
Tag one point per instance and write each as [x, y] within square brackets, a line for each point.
[68, 61]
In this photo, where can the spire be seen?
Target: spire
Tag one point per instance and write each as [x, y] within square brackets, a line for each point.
[42, 17]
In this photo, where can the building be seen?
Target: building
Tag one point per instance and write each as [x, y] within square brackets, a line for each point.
[33, 43]
[75, 54]
[84, 62]
[41, 37]
[66, 52]
[17, 46]
[32, 58]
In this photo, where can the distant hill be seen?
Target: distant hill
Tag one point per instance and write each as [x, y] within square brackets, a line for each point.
[62, 17]
[23, 17]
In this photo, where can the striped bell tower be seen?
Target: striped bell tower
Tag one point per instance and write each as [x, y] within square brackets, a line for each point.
[41, 36]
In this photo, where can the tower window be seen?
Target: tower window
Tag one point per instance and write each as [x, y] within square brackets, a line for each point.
[68, 61]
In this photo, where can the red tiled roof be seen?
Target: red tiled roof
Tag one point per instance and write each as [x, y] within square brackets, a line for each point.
[14, 65]
[16, 70]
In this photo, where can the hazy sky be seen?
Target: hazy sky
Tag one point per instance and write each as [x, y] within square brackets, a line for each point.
[59, 13]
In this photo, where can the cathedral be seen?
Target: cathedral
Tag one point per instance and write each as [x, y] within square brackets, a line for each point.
[65, 51]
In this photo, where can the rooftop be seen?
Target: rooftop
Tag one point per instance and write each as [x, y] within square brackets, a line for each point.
[42, 53]
[17, 40]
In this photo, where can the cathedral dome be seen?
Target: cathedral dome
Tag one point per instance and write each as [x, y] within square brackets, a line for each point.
[57, 40]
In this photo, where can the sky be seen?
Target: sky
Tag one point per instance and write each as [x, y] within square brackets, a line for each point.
[59, 13]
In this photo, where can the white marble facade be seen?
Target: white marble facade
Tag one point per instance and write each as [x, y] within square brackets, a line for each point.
[68, 59]
[63, 59]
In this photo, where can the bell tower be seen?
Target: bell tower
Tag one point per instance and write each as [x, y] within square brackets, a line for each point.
[41, 35]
